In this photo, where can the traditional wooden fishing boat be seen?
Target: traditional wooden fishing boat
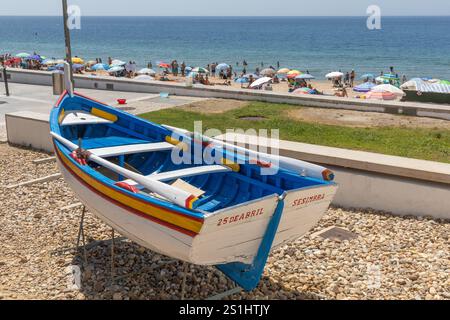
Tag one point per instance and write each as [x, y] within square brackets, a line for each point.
[225, 213]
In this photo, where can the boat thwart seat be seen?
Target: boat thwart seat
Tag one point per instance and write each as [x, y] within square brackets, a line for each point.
[72, 118]
[183, 173]
[132, 149]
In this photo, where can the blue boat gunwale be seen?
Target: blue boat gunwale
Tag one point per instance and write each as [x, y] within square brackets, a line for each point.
[89, 103]
[105, 181]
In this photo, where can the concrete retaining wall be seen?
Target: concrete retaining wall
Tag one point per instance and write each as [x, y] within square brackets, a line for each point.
[29, 129]
[366, 180]
[123, 84]
[390, 193]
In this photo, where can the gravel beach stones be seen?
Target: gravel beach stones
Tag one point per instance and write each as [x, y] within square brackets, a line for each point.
[390, 257]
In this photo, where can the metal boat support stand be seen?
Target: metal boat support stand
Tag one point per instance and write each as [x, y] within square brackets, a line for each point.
[248, 276]
[81, 237]
[113, 271]
[183, 284]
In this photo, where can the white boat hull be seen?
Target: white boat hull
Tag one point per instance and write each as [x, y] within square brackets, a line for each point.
[232, 235]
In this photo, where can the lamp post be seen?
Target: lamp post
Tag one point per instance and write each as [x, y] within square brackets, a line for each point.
[67, 39]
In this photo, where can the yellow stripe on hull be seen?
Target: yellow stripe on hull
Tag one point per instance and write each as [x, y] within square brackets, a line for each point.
[61, 116]
[146, 208]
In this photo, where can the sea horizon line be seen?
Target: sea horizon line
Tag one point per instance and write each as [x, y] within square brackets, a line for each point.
[232, 16]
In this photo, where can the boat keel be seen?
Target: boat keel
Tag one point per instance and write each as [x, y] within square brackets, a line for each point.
[248, 276]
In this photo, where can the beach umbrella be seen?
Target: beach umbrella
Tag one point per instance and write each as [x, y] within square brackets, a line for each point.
[390, 76]
[77, 66]
[382, 80]
[367, 76]
[22, 55]
[49, 62]
[222, 66]
[260, 82]
[388, 88]
[305, 76]
[296, 72]
[410, 85]
[333, 75]
[200, 70]
[147, 71]
[283, 71]
[445, 82]
[144, 77]
[100, 66]
[365, 87]
[164, 65]
[302, 91]
[77, 60]
[34, 57]
[188, 70]
[118, 63]
[293, 73]
[59, 65]
[241, 80]
[268, 72]
[380, 95]
[116, 69]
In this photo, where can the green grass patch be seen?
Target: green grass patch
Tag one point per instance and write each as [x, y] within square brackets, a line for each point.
[428, 144]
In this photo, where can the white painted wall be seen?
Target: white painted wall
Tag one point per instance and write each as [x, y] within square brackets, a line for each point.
[401, 196]
[29, 129]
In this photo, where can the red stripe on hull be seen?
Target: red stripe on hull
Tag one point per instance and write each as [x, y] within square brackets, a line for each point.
[132, 210]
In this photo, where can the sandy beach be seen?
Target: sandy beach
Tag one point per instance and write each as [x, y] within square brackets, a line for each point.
[323, 86]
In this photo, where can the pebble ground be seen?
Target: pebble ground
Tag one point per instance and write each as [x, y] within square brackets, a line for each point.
[391, 258]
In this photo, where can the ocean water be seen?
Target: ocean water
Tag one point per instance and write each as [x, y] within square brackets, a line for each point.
[415, 46]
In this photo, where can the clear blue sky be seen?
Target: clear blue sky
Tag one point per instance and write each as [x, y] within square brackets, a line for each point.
[229, 7]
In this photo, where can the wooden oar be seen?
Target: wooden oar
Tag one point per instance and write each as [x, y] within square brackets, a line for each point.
[301, 167]
[175, 195]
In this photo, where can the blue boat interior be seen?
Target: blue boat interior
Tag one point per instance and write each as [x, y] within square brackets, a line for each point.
[221, 189]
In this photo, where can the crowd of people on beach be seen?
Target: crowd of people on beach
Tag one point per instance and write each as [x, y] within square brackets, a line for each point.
[262, 76]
